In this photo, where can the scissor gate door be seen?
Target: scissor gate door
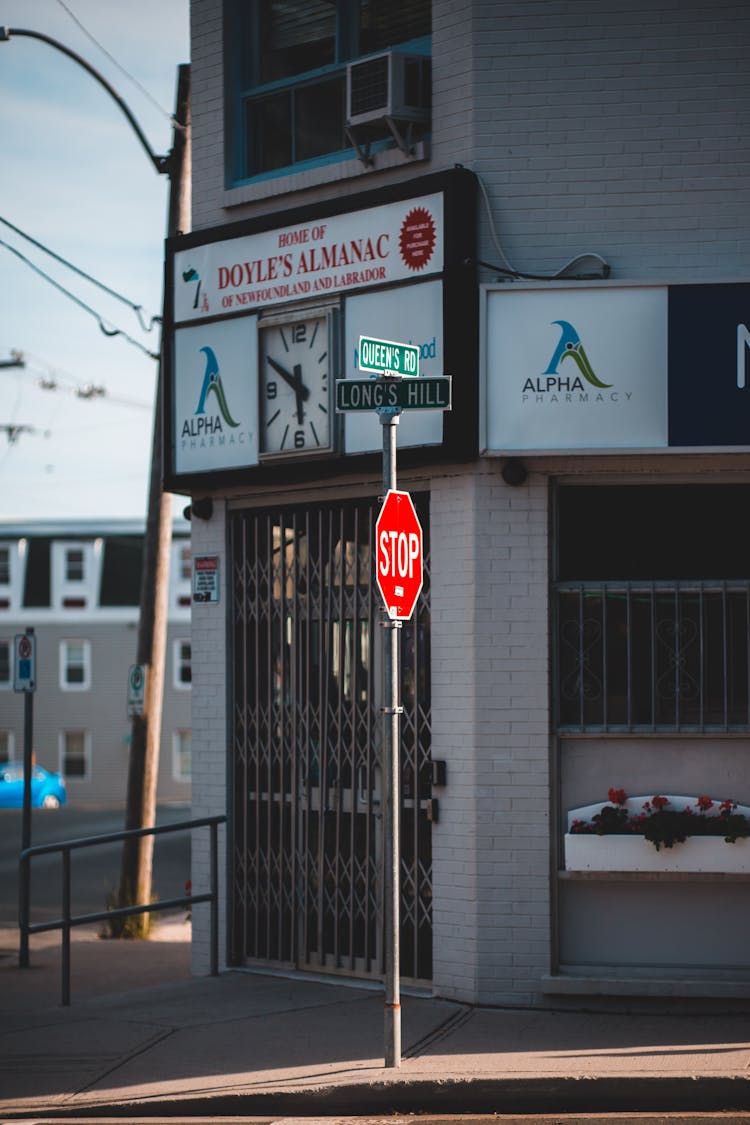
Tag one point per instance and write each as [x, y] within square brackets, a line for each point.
[306, 856]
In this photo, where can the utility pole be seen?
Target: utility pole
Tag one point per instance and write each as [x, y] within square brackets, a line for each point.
[143, 770]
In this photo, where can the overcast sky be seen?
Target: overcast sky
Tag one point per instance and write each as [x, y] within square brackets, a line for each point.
[74, 177]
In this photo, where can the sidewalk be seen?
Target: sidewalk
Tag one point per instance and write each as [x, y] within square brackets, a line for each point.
[143, 1038]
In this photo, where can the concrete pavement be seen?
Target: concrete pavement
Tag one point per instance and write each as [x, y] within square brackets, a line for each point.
[144, 1039]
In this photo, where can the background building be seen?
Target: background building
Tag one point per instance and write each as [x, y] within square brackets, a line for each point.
[77, 585]
[552, 201]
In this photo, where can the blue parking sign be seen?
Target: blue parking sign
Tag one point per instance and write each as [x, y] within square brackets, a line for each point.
[24, 676]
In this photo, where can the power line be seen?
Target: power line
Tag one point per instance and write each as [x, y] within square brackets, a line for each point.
[107, 329]
[137, 309]
[114, 61]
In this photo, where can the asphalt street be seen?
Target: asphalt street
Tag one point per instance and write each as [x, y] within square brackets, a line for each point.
[95, 872]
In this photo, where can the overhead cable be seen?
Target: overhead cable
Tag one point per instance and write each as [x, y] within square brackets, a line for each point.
[104, 326]
[137, 309]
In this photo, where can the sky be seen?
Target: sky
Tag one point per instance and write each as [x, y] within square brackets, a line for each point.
[74, 178]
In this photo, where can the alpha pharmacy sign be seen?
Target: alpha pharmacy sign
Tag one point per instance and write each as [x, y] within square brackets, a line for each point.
[616, 368]
[358, 249]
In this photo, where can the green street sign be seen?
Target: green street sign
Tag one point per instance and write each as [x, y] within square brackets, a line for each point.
[427, 393]
[387, 357]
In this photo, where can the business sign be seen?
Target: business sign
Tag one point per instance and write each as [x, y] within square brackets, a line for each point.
[576, 368]
[709, 365]
[392, 242]
[215, 403]
[413, 314]
[617, 368]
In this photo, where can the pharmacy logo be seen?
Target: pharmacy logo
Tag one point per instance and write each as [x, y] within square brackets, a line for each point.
[569, 346]
[212, 385]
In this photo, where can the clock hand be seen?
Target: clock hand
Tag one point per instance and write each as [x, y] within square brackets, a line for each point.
[301, 393]
[295, 381]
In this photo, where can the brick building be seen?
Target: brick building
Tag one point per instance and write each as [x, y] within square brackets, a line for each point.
[552, 201]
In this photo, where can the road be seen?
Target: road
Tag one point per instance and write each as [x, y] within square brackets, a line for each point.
[95, 872]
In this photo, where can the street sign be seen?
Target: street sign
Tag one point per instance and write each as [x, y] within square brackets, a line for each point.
[136, 689]
[425, 393]
[388, 357]
[398, 555]
[24, 662]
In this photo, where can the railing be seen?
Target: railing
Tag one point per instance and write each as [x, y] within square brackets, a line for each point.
[653, 656]
[68, 921]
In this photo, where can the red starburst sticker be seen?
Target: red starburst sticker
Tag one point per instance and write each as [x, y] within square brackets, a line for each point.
[417, 238]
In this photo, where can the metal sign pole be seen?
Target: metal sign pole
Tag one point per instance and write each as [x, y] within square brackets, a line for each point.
[24, 677]
[391, 758]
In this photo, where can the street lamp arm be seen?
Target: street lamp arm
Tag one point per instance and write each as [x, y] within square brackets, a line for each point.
[162, 164]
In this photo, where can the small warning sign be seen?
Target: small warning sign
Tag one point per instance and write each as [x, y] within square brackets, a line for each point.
[206, 579]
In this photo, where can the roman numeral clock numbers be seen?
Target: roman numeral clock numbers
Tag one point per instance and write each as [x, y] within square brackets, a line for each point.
[294, 386]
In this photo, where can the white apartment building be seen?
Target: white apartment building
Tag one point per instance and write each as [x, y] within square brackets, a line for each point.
[76, 583]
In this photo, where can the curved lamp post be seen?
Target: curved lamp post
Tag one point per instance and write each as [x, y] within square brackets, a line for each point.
[137, 859]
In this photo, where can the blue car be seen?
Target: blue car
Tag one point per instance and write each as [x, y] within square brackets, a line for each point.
[47, 789]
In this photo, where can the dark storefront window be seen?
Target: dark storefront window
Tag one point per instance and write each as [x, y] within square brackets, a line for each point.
[653, 608]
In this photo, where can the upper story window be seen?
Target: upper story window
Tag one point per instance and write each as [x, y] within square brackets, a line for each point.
[76, 569]
[74, 566]
[287, 65]
[5, 664]
[12, 561]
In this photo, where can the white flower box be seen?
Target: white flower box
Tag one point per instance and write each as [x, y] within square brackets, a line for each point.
[634, 853]
[589, 852]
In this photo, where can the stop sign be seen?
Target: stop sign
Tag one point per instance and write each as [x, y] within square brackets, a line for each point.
[398, 555]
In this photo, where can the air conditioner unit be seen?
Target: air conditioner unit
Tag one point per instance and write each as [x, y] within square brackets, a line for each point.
[389, 85]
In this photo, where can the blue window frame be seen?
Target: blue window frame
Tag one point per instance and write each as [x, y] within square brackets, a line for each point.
[286, 75]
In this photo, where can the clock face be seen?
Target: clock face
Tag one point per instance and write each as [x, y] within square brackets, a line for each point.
[295, 399]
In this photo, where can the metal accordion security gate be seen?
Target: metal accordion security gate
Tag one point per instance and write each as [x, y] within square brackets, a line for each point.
[306, 852]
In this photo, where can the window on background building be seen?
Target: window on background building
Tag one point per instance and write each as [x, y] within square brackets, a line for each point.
[182, 749]
[183, 672]
[653, 609]
[287, 66]
[75, 755]
[4, 566]
[6, 671]
[7, 746]
[75, 569]
[186, 564]
[75, 665]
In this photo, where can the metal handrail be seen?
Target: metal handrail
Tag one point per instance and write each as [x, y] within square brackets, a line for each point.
[66, 923]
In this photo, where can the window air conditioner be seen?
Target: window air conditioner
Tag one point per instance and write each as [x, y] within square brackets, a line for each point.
[389, 85]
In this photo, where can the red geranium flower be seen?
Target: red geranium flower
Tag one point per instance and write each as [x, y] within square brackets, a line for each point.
[660, 802]
[704, 804]
[617, 796]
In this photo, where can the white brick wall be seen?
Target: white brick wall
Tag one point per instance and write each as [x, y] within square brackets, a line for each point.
[490, 722]
[209, 720]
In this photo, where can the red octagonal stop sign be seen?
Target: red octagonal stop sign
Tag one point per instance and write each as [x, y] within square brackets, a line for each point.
[398, 555]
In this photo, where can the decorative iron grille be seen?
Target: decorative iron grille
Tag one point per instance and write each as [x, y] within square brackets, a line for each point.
[653, 656]
[306, 759]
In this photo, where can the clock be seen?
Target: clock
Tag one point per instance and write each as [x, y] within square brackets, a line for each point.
[295, 378]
